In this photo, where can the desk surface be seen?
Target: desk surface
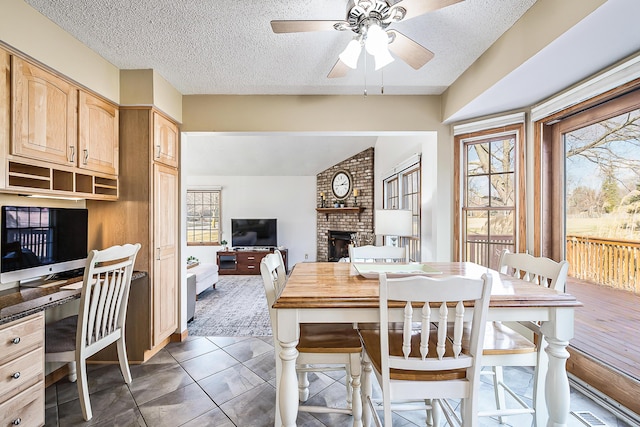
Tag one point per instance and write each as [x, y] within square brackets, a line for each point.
[21, 302]
[338, 284]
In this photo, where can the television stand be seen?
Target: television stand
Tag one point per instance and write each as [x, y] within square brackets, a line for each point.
[245, 260]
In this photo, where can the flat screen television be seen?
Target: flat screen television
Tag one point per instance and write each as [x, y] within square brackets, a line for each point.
[40, 241]
[254, 232]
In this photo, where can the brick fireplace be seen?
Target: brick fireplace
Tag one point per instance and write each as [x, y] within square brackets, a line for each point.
[361, 168]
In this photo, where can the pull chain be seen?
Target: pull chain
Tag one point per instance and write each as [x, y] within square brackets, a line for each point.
[365, 75]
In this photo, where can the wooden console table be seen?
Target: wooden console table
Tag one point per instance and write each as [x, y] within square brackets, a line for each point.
[244, 261]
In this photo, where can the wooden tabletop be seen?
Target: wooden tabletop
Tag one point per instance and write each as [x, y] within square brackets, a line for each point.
[338, 284]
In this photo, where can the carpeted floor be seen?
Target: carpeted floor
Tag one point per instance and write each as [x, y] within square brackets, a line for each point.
[236, 307]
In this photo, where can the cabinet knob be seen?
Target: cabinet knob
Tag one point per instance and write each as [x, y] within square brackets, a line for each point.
[16, 375]
[17, 421]
[73, 153]
[86, 156]
[16, 340]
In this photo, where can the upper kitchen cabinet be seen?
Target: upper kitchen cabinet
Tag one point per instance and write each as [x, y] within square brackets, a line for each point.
[44, 112]
[98, 130]
[55, 138]
[165, 141]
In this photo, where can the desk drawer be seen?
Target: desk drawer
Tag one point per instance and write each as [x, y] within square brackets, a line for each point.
[17, 338]
[21, 371]
[25, 409]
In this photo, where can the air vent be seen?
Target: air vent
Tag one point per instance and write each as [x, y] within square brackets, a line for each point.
[589, 419]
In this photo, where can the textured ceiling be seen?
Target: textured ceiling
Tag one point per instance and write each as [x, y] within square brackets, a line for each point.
[227, 46]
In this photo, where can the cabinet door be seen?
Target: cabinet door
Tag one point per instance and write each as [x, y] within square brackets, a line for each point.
[165, 141]
[5, 104]
[44, 109]
[165, 263]
[98, 145]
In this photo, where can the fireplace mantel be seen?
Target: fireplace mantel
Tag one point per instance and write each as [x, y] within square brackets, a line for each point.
[345, 210]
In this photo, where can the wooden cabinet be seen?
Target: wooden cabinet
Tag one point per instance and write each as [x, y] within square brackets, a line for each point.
[165, 141]
[165, 238]
[55, 139]
[44, 112]
[98, 134]
[147, 211]
[244, 262]
[22, 371]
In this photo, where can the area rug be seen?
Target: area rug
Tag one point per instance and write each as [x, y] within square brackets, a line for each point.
[237, 307]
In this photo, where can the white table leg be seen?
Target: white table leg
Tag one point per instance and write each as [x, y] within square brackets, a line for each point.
[288, 384]
[287, 393]
[557, 385]
[558, 331]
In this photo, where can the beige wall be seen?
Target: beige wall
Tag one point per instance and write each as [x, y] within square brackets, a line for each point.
[277, 113]
[147, 87]
[541, 25]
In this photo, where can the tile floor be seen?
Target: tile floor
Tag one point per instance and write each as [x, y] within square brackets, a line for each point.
[226, 382]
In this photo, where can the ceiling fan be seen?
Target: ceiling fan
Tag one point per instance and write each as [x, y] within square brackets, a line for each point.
[369, 20]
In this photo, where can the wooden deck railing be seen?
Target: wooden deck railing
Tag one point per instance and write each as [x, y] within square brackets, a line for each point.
[609, 262]
[486, 251]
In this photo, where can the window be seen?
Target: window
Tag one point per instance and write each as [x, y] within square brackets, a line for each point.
[488, 206]
[203, 217]
[402, 191]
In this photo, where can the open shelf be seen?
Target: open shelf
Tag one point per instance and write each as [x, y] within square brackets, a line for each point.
[24, 177]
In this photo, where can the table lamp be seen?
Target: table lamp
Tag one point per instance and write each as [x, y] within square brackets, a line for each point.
[394, 223]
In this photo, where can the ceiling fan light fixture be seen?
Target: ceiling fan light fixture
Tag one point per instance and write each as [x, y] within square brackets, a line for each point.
[351, 54]
[382, 59]
[377, 45]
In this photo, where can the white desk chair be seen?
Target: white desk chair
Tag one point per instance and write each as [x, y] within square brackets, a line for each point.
[504, 346]
[416, 361]
[370, 253]
[319, 345]
[101, 318]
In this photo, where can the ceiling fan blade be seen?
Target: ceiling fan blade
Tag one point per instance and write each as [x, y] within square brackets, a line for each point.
[420, 7]
[306, 26]
[409, 51]
[340, 69]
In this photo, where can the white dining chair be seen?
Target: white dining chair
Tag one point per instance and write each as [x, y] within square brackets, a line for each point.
[100, 321]
[370, 253]
[414, 360]
[321, 347]
[514, 345]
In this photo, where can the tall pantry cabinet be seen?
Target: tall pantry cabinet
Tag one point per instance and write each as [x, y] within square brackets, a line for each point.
[147, 212]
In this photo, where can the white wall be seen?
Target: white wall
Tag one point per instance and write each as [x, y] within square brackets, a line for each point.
[290, 199]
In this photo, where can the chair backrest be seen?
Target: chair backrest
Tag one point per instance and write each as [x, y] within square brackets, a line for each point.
[429, 301]
[105, 295]
[273, 278]
[370, 253]
[281, 273]
[539, 270]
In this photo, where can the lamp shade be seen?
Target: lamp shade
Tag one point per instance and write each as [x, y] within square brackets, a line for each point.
[394, 222]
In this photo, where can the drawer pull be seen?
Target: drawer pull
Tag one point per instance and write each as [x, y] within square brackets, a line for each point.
[16, 340]
[17, 421]
[16, 375]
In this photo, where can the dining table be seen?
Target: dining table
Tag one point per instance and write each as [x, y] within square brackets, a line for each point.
[340, 292]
